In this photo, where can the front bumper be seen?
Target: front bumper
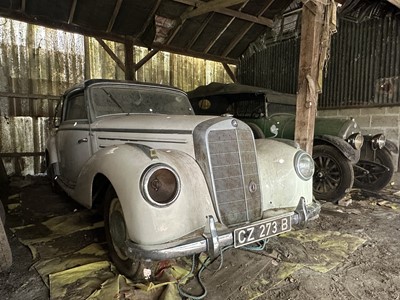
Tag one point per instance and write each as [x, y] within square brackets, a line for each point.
[211, 242]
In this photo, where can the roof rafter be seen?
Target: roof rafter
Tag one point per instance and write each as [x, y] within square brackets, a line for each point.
[212, 43]
[200, 30]
[72, 12]
[206, 7]
[245, 29]
[232, 13]
[150, 18]
[114, 15]
[395, 2]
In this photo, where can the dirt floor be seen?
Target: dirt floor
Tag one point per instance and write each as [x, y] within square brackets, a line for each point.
[350, 252]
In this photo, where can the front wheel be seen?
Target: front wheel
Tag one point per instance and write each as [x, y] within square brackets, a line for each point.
[116, 235]
[334, 175]
[374, 175]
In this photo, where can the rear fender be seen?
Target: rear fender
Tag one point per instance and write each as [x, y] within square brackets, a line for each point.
[345, 148]
[123, 166]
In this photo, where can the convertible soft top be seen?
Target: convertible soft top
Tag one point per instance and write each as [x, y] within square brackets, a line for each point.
[216, 88]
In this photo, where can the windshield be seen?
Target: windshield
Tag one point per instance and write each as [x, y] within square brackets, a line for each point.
[131, 99]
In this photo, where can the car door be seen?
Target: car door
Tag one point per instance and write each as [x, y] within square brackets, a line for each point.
[73, 138]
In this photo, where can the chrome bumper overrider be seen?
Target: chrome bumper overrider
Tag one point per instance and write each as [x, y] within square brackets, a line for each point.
[211, 242]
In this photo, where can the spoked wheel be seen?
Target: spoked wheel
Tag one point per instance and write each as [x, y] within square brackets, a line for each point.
[334, 175]
[374, 175]
[116, 235]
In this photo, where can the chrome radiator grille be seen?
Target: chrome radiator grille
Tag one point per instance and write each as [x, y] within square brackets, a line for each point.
[234, 173]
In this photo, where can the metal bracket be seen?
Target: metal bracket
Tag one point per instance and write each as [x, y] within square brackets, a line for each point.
[211, 236]
[301, 211]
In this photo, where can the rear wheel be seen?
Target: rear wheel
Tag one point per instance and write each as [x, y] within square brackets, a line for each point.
[116, 235]
[374, 175]
[334, 175]
[5, 250]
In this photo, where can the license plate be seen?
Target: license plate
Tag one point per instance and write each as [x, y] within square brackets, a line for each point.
[261, 230]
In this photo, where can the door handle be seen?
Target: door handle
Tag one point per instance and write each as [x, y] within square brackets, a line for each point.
[84, 140]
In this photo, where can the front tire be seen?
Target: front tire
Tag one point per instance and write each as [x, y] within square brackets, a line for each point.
[374, 177]
[116, 235]
[334, 175]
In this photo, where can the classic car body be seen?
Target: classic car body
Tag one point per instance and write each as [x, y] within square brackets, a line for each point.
[338, 142]
[173, 183]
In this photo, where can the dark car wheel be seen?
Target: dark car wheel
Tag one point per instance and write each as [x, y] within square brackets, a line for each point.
[334, 175]
[373, 176]
[5, 250]
[116, 235]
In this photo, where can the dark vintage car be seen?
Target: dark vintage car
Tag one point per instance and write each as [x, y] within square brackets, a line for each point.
[340, 155]
[172, 183]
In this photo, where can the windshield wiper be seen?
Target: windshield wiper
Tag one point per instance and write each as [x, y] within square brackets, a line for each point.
[111, 97]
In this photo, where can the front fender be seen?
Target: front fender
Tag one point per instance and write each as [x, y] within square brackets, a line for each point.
[281, 186]
[345, 148]
[124, 165]
[51, 149]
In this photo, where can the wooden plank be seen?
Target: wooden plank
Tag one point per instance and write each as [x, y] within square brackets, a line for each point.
[29, 96]
[21, 154]
[23, 6]
[200, 30]
[111, 53]
[150, 18]
[307, 96]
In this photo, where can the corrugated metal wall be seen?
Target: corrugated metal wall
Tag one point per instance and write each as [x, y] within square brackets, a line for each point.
[38, 64]
[363, 69]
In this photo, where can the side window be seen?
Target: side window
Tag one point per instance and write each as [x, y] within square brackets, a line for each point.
[75, 108]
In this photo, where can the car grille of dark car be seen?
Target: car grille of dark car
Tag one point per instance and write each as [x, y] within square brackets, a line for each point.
[234, 173]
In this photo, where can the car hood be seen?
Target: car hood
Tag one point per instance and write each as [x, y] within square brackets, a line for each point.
[149, 123]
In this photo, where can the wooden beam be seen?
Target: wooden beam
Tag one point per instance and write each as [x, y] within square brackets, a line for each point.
[230, 72]
[29, 96]
[21, 154]
[234, 13]
[72, 12]
[112, 54]
[129, 63]
[206, 7]
[145, 59]
[307, 96]
[114, 15]
[395, 3]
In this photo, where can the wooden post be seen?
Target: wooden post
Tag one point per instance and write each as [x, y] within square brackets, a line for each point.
[307, 95]
[129, 63]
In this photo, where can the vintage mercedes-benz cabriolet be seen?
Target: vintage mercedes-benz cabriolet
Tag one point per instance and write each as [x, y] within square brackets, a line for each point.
[171, 183]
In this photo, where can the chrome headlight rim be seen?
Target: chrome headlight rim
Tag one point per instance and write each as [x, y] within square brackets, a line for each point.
[356, 140]
[378, 141]
[146, 181]
[300, 155]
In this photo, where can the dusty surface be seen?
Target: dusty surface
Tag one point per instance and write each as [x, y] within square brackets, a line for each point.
[353, 252]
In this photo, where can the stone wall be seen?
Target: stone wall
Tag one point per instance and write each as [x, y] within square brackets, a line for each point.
[374, 120]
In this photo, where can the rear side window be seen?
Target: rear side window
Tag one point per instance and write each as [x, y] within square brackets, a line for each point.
[75, 108]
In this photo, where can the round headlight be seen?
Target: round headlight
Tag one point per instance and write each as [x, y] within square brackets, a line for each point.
[356, 140]
[378, 141]
[304, 165]
[160, 185]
